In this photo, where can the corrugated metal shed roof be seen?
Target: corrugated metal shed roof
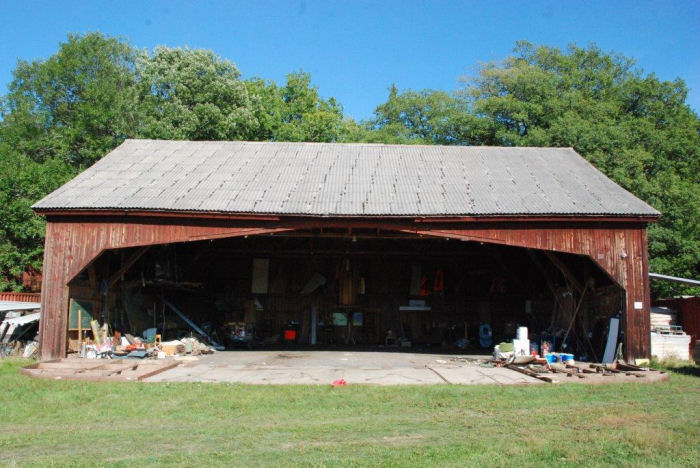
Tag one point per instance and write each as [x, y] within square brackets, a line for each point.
[6, 306]
[24, 319]
[330, 179]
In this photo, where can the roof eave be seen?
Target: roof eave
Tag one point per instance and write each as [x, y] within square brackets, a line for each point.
[425, 219]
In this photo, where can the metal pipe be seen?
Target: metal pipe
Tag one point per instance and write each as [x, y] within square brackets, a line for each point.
[676, 279]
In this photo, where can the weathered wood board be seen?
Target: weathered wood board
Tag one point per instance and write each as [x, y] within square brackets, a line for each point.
[97, 370]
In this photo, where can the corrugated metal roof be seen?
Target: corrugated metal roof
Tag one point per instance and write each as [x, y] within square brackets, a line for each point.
[331, 179]
[6, 306]
[24, 319]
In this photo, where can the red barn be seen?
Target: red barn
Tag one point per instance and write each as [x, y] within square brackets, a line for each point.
[346, 244]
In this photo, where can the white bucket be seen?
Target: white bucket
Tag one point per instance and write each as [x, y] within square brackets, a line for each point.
[522, 333]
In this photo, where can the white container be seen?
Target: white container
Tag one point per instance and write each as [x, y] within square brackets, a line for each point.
[522, 333]
[521, 347]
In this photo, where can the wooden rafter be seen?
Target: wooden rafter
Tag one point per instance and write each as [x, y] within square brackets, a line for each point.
[564, 271]
[126, 266]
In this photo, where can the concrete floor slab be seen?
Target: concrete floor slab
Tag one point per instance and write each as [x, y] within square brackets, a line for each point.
[324, 367]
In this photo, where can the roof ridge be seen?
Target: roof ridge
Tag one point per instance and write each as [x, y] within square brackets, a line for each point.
[353, 143]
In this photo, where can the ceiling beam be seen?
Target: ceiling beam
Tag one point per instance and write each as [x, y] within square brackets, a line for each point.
[133, 258]
[564, 270]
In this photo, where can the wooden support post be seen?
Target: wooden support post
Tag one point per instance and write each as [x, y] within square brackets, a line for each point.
[80, 325]
[578, 306]
[92, 275]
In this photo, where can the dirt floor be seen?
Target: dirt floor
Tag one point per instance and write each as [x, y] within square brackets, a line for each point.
[324, 367]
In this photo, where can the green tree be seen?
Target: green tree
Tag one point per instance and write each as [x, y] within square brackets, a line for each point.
[59, 116]
[305, 116]
[22, 182]
[634, 127]
[193, 94]
[76, 105]
[295, 111]
[425, 117]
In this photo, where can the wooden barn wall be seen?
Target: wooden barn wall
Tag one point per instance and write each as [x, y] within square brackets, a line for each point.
[71, 246]
[688, 309]
[73, 242]
[621, 252]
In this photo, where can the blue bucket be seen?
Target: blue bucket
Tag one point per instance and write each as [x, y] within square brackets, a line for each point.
[565, 357]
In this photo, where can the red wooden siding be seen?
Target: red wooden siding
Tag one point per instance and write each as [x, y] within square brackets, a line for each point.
[688, 309]
[73, 242]
[71, 246]
[621, 252]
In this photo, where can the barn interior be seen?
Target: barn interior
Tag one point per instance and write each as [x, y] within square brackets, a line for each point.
[339, 288]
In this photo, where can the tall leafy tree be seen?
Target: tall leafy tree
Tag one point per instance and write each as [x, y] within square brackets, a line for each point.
[22, 182]
[634, 127]
[295, 111]
[193, 94]
[76, 105]
[59, 116]
[427, 117]
[305, 116]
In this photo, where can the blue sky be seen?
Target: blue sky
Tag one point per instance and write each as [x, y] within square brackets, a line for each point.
[356, 49]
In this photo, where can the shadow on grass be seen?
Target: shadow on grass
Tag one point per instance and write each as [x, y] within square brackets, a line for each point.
[686, 370]
[677, 366]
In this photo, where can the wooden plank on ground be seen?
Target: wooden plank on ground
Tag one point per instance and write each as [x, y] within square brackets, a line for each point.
[97, 370]
[530, 373]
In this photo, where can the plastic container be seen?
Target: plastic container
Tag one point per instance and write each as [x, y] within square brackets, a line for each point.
[522, 333]
[566, 357]
[551, 358]
[521, 347]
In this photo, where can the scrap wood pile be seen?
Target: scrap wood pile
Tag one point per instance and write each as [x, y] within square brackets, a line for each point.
[19, 333]
[541, 369]
[107, 345]
[97, 371]
[522, 355]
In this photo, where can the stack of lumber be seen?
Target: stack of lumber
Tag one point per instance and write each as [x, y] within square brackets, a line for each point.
[670, 345]
[662, 318]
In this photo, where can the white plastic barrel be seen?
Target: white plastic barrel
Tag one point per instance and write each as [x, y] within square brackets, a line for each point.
[522, 333]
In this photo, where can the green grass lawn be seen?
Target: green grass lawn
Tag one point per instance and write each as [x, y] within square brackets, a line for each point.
[184, 424]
